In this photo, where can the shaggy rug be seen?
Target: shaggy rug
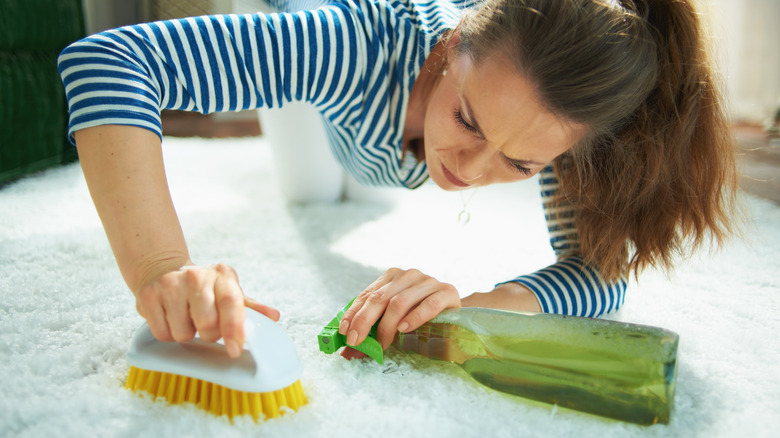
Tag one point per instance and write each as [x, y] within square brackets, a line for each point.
[66, 317]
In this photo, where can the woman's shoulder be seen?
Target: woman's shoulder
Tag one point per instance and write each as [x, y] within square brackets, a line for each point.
[426, 17]
[416, 11]
[397, 5]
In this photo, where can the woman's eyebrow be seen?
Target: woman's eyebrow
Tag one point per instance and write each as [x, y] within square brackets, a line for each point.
[473, 121]
[471, 118]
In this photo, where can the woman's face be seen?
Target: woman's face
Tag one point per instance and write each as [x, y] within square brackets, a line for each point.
[484, 125]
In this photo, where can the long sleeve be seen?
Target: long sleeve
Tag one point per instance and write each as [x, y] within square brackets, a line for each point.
[354, 60]
[569, 286]
[208, 64]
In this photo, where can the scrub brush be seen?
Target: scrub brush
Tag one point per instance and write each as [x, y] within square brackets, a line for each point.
[262, 381]
[613, 369]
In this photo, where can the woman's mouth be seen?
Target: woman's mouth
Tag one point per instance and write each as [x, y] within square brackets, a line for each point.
[452, 178]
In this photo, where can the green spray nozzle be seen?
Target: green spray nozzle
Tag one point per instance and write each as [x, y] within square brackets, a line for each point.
[330, 340]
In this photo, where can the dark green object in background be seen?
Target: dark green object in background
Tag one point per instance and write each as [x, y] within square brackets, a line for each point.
[35, 25]
[33, 111]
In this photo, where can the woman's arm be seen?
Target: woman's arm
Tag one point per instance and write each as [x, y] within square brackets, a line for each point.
[123, 167]
[569, 286]
[506, 296]
[118, 81]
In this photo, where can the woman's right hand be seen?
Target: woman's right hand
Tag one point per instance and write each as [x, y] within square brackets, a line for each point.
[123, 167]
[203, 299]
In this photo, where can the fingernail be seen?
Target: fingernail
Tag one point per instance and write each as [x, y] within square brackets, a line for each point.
[403, 326]
[343, 326]
[232, 348]
[352, 338]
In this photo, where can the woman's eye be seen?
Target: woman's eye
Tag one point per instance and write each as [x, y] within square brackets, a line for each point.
[512, 164]
[463, 123]
[519, 168]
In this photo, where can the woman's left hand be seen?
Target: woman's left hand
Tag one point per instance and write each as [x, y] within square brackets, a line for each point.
[403, 299]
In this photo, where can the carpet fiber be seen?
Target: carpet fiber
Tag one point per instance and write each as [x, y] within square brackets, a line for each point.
[66, 317]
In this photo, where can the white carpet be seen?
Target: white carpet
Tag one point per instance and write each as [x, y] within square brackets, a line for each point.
[66, 317]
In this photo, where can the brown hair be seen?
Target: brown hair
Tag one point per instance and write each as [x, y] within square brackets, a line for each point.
[656, 171]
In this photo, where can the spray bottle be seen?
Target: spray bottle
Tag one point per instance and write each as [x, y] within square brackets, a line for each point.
[608, 368]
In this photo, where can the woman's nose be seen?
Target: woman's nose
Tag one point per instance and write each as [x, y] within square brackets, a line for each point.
[472, 164]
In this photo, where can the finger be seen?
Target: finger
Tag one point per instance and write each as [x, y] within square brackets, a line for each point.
[177, 313]
[152, 311]
[376, 303]
[401, 305]
[230, 306]
[262, 308]
[431, 306]
[358, 326]
[358, 302]
[203, 312]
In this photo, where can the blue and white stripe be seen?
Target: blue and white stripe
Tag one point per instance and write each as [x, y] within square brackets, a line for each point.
[354, 60]
[569, 287]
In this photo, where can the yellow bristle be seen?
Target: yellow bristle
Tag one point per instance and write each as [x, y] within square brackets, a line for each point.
[279, 398]
[164, 384]
[181, 391]
[135, 375]
[289, 395]
[131, 377]
[213, 399]
[235, 407]
[173, 394]
[217, 399]
[153, 382]
[300, 396]
[255, 408]
[198, 392]
[243, 404]
[268, 404]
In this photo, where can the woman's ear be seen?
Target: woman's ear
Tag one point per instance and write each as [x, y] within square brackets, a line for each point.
[456, 36]
[453, 41]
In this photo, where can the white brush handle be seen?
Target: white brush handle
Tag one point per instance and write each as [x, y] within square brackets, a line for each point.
[271, 362]
[272, 350]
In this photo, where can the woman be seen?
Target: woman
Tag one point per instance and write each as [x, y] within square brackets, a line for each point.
[612, 102]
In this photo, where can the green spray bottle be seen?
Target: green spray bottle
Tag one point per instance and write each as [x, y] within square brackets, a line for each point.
[608, 368]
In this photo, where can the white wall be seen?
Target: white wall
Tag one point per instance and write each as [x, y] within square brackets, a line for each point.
[746, 34]
[107, 14]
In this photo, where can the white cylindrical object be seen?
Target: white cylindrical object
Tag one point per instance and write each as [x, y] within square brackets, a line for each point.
[306, 168]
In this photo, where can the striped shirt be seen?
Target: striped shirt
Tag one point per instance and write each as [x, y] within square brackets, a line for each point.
[354, 60]
[569, 287]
